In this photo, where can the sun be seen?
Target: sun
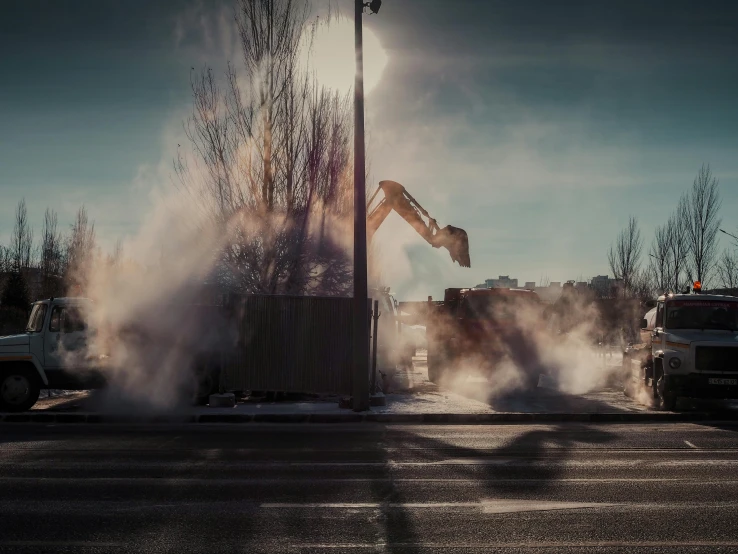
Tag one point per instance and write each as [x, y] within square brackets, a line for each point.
[333, 61]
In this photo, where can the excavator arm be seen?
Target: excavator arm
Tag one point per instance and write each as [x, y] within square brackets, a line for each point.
[396, 198]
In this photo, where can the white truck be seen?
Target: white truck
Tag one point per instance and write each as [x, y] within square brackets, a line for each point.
[55, 352]
[689, 348]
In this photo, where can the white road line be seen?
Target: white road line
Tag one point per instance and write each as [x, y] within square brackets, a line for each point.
[691, 445]
[169, 481]
[507, 463]
[589, 545]
[66, 544]
[503, 506]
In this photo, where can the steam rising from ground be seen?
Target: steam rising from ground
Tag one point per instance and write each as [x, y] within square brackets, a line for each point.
[260, 206]
[524, 341]
[140, 305]
[154, 314]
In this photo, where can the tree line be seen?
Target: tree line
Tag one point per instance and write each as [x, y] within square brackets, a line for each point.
[683, 249]
[50, 265]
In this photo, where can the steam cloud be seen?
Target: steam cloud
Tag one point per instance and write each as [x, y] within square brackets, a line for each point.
[531, 341]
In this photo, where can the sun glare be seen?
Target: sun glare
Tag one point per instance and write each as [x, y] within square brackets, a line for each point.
[333, 56]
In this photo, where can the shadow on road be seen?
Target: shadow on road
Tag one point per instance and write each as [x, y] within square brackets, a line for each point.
[538, 400]
[497, 478]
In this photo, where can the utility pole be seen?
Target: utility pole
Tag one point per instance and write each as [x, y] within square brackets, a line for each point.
[361, 293]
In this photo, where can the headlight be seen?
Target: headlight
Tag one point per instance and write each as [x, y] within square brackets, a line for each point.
[674, 363]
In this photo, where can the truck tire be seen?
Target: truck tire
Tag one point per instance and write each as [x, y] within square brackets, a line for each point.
[665, 399]
[436, 363]
[207, 383]
[19, 388]
[627, 378]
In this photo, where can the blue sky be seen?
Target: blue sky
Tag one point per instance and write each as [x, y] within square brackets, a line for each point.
[537, 126]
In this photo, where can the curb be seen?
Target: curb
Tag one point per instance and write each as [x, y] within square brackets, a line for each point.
[437, 418]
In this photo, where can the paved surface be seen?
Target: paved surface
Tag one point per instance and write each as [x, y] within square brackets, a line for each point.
[369, 488]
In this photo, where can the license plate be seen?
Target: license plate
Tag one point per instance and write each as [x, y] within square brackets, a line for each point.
[715, 381]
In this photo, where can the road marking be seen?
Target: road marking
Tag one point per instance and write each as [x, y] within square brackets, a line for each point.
[396, 466]
[518, 545]
[74, 544]
[691, 445]
[486, 506]
[168, 481]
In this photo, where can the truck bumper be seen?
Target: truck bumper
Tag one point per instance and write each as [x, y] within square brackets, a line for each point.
[696, 385]
[72, 380]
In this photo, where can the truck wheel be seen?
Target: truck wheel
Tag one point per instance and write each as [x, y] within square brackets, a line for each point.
[665, 399]
[434, 373]
[19, 389]
[627, 377]
[207, 384]
[436, 364]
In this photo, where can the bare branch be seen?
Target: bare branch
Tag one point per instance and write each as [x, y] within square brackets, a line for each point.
[704, 205]
[624, 256]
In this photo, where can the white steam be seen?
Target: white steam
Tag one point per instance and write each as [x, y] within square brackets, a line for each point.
[527, 342]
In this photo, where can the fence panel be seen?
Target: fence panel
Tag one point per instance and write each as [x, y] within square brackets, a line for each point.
[291, 344]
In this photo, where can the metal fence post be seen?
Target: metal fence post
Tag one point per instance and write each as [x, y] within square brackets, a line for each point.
[376, 315]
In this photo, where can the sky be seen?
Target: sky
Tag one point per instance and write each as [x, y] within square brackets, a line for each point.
[539, 127]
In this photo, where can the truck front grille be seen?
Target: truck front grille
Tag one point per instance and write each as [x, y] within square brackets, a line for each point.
[716, 358]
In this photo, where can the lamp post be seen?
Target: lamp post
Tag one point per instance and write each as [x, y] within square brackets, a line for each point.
[361, 293]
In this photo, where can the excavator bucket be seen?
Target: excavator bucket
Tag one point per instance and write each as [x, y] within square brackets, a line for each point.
[456, 241]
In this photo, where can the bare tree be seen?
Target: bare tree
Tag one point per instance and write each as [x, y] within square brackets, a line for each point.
[21, 242]
[272, 157]
[5, 259]
[80, 252]
[660, 258]
[51, 262]
[727, 270]
[704, 205]
[677, 231]
[624, 256]
[116, 256]
[644, 286]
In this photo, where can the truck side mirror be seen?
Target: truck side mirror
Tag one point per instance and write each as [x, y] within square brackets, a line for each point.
[644, 323]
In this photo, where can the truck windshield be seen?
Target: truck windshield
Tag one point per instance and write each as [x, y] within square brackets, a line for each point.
[36, 321]
[696, 314]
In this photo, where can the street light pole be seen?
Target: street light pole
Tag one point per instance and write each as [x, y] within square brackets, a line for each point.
[361, 300]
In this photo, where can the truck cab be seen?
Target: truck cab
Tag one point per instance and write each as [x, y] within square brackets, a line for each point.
[59, 350]
[690, 349]
[52, 354]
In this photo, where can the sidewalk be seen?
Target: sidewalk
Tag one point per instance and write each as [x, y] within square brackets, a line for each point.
[413, 399]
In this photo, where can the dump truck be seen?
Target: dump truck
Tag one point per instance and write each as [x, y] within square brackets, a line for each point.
[475, 330]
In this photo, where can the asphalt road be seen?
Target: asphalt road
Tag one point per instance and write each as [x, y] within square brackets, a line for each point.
[369, 488]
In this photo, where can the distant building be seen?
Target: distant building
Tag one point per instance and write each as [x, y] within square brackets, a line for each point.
[530, 285]
[604, 286]
[503, 282]
[601, 285]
